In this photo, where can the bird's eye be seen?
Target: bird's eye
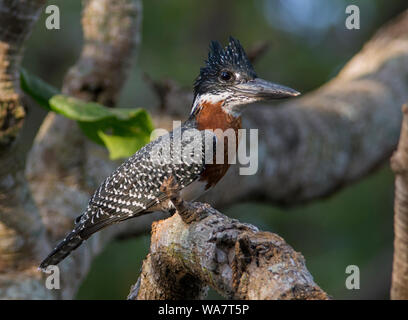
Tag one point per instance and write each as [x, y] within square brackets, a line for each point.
[226, 76]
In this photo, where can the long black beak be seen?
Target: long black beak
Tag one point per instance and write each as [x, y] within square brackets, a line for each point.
[265, 90]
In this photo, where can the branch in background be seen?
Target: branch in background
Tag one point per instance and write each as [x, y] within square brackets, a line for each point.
[329, 138]
[399, 164]
[200, 247]
[63, 164]
[257, 51]
[111, 32]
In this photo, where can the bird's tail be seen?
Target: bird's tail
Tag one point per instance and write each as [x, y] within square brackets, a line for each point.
[62, 250]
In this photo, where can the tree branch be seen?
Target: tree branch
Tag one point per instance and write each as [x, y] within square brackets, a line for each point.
[234, 258]
[200, 247]
[328, 138]
[17, 19]
[63, 164]
[22, 236]
[399, 164]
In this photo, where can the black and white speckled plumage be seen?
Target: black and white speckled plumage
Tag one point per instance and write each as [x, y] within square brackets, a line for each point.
[134, 187]
[226, 83]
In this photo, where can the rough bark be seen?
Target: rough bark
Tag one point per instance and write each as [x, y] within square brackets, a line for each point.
[22, 236]
[17, 19]
[200, 247]
[399, 164]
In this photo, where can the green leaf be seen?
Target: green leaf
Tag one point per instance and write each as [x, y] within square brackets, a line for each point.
[79, 110]
[122, 146]
[122, 131]
[39, 90]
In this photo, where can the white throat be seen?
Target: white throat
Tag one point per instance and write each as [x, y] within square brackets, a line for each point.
[232, 105]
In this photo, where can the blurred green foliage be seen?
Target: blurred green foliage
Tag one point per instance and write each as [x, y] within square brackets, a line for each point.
[39, 90]
[121, 131]
[352, 227]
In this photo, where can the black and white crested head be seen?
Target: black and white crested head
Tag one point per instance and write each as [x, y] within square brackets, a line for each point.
[223, 68]
[229, 78]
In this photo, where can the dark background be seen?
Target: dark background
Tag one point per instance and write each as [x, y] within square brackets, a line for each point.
[309, 44]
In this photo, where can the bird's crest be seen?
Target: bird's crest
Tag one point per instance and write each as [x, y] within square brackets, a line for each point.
[232, 58]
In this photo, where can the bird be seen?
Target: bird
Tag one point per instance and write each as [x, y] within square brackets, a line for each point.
[224, 87]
